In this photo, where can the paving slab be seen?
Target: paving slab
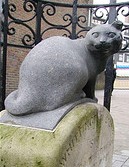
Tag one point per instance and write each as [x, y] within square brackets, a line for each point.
[120, 114]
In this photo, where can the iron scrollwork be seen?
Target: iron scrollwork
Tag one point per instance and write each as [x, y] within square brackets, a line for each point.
[81, 20]
[125, 39]
[101, 13]
[29, 6]
[123, 11]
[49, 12]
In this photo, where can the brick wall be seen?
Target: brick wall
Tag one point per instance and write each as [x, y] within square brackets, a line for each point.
[15, 55]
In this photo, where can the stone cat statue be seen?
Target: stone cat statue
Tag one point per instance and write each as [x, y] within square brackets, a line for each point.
[58, 71]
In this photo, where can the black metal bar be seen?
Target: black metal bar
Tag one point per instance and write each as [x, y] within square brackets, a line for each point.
[38, 23]
[109, 66]
[124, 51]
[0, 64]
[18, 46]
[5, 29]
[74, 20]
[84, 5]
[108, 83]
[101, 5]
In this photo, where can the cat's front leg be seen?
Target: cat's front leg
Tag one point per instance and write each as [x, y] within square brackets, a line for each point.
[89, 89]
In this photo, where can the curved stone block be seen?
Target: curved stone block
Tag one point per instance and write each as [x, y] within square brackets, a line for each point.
[83, 138]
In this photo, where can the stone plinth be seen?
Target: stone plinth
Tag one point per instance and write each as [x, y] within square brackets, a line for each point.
[83, 138]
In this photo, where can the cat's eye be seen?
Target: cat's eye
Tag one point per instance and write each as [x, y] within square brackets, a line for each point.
[111, 34]
[95, 34]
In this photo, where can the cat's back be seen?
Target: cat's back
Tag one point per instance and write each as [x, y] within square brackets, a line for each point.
[54, 55]
[52, 44]
[57, 49]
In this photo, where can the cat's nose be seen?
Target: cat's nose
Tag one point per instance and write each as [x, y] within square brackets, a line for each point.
[102, 42]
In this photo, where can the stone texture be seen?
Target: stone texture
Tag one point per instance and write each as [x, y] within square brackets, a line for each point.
[44, 120]
[84, 137]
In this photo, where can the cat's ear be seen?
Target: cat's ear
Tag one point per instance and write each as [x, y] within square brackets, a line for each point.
[118, 25]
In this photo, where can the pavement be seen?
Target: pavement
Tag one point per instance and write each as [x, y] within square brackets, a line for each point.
[120, 113]
[121, 83]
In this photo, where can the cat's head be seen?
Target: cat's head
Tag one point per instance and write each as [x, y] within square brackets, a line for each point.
[105, 39]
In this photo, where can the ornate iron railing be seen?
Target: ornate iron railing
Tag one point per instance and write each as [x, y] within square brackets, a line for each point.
[46, 11]
[40, 17]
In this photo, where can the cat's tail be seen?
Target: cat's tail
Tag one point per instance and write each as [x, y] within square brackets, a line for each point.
[17, 105]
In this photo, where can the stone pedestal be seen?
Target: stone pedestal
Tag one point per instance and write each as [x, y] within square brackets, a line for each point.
[83, 138]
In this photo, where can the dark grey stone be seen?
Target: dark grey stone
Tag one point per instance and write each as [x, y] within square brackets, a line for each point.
[43, 120]
[59, 71]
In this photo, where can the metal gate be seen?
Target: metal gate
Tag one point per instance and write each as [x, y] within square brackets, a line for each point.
[40, 19]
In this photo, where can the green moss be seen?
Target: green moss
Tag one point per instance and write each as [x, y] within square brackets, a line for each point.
[98, 128]
[39, 148]
[38, 163]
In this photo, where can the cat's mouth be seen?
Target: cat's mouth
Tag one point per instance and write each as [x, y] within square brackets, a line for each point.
[103, 47]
